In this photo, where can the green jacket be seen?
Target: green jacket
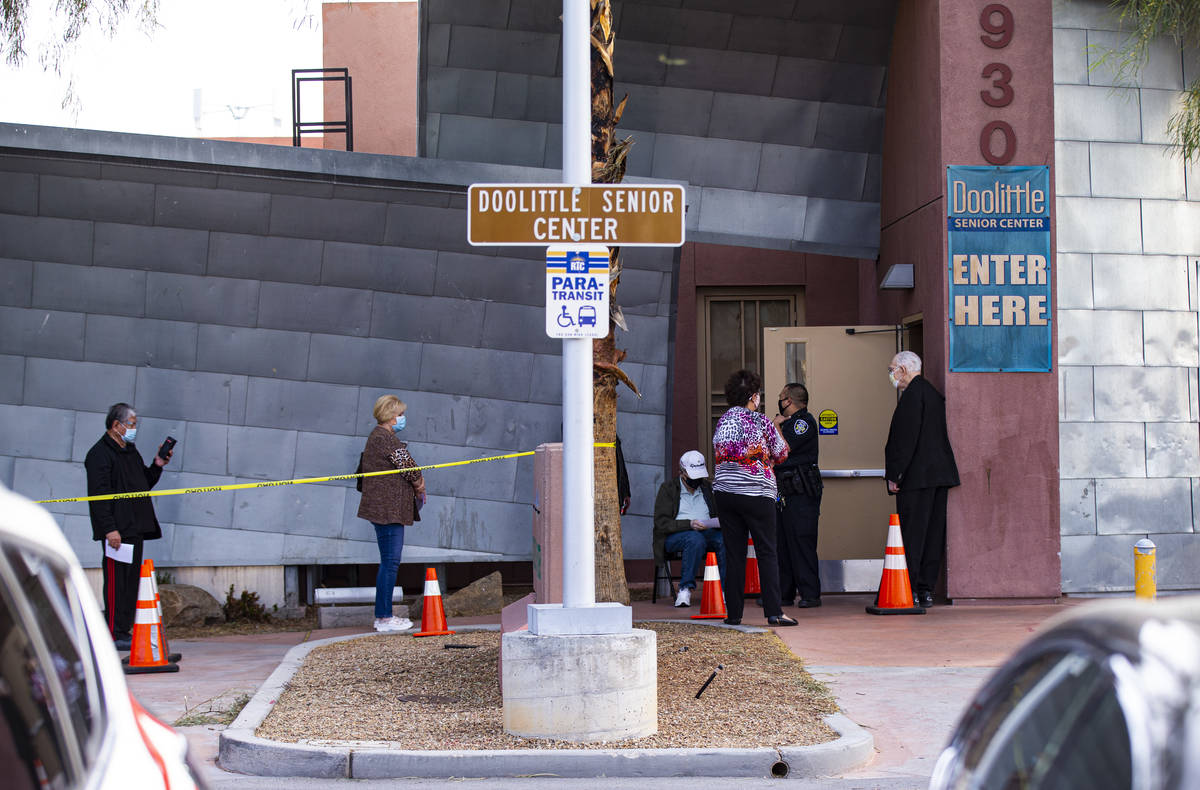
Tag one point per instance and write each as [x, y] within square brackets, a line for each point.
[666, 508]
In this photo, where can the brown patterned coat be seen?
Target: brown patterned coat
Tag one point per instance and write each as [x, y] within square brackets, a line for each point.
[388, 499]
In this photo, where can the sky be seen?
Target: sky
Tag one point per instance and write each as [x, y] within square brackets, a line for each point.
[230, 60]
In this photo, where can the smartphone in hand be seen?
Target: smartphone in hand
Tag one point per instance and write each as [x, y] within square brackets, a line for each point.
[164, 451]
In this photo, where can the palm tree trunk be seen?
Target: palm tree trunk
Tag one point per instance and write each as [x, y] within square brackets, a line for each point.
[610, 559]
[608, 167]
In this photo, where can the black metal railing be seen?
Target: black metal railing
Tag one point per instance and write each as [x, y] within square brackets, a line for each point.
[300, 128]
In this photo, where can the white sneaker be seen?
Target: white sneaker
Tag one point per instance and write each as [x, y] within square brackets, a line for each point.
[685, 597]
[393, 624]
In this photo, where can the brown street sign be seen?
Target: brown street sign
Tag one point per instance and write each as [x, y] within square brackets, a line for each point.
[537, 215]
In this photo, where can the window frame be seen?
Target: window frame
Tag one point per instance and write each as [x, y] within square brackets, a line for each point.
[707, 398]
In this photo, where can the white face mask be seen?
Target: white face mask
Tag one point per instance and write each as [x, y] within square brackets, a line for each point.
[892, 378]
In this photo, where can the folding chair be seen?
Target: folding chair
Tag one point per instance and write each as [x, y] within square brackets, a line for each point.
[663, 578]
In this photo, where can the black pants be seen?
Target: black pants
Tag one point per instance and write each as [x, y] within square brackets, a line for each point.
[923, 527]
[754, 516]
[798, 569]
[121, 590]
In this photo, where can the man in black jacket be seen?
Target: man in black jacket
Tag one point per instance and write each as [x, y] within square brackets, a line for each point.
[624, 492]
[114, 466]
[685, 521]
[920, 470]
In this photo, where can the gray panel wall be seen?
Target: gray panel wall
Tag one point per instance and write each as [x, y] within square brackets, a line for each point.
[1128, 257]
[256, 317]
[781, 102]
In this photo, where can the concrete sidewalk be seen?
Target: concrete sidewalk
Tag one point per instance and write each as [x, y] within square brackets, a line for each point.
[905, 679]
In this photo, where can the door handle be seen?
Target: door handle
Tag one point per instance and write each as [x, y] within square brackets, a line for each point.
[852, 472]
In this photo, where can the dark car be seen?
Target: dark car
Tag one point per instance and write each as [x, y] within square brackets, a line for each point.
[1107, 696]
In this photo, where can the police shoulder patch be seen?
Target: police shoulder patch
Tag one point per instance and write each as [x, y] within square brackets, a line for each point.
[801, 427]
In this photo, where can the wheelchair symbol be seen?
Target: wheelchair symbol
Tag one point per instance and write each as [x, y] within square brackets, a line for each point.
[565, 320]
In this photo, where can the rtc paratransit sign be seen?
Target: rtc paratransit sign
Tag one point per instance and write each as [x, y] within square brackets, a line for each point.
[577, 292]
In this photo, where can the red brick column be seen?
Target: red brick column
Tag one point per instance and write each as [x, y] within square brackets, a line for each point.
[971, 83]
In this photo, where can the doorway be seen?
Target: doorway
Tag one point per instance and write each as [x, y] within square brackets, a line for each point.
[912, 334]
[845, 370]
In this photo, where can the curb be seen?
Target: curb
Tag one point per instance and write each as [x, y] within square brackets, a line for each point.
[244, 752]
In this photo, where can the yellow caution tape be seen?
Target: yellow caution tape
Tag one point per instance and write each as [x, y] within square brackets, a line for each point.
[299, 481]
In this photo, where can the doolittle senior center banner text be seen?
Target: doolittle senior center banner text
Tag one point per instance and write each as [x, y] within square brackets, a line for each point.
[999, 268]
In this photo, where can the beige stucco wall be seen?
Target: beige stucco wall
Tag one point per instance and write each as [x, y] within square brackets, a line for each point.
[378, 43]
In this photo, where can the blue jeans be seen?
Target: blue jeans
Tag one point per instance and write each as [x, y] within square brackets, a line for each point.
[390, 538]
[694, 545]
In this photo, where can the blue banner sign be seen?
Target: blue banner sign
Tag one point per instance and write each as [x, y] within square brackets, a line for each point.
[998, 220]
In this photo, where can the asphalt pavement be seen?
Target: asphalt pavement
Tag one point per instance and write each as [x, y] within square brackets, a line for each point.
[905, 679]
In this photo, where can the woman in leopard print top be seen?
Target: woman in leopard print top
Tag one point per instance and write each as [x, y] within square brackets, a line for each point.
[389, 502]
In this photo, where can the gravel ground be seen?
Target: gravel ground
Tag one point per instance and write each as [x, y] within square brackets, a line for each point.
[417, 694]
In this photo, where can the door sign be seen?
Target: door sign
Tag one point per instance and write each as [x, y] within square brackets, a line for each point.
[577, 292]
[827, 422]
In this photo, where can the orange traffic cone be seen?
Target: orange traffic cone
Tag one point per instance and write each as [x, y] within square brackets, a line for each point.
[149, 650]
[433, 616]
[752, 584]
[172, 657]
[895, 591]
[713, 604]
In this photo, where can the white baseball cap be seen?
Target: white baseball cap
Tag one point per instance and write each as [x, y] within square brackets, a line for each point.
[692, 464]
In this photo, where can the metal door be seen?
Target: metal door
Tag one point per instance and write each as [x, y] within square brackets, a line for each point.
[732, 323]
[845, 370]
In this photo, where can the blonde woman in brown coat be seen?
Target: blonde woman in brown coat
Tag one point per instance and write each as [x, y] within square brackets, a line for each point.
[389, 502]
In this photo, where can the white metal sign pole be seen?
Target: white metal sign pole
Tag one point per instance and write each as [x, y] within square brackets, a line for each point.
[581, 672]
[578, 540]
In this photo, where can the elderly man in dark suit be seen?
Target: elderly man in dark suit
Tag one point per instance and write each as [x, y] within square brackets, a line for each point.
[920, 470]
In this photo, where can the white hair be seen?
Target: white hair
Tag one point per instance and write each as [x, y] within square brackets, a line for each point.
[909, 361]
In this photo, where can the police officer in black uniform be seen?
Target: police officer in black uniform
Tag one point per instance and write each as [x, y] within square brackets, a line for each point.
[800, 486]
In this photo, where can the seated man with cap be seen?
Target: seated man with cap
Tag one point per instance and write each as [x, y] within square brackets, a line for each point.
[685, 521]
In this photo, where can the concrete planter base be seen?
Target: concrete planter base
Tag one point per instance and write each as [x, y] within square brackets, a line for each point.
[244, 752]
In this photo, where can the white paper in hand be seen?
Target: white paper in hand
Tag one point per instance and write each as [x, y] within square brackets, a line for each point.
[123, 554]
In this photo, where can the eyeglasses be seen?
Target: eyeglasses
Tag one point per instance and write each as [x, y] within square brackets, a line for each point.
[892, 369]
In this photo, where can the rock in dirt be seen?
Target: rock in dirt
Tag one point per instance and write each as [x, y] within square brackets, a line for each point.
[482, 596]
[186, 605]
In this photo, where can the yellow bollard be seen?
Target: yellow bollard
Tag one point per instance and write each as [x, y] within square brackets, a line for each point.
[1145, 579]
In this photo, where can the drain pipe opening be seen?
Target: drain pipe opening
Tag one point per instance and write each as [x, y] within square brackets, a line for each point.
[780, 769]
